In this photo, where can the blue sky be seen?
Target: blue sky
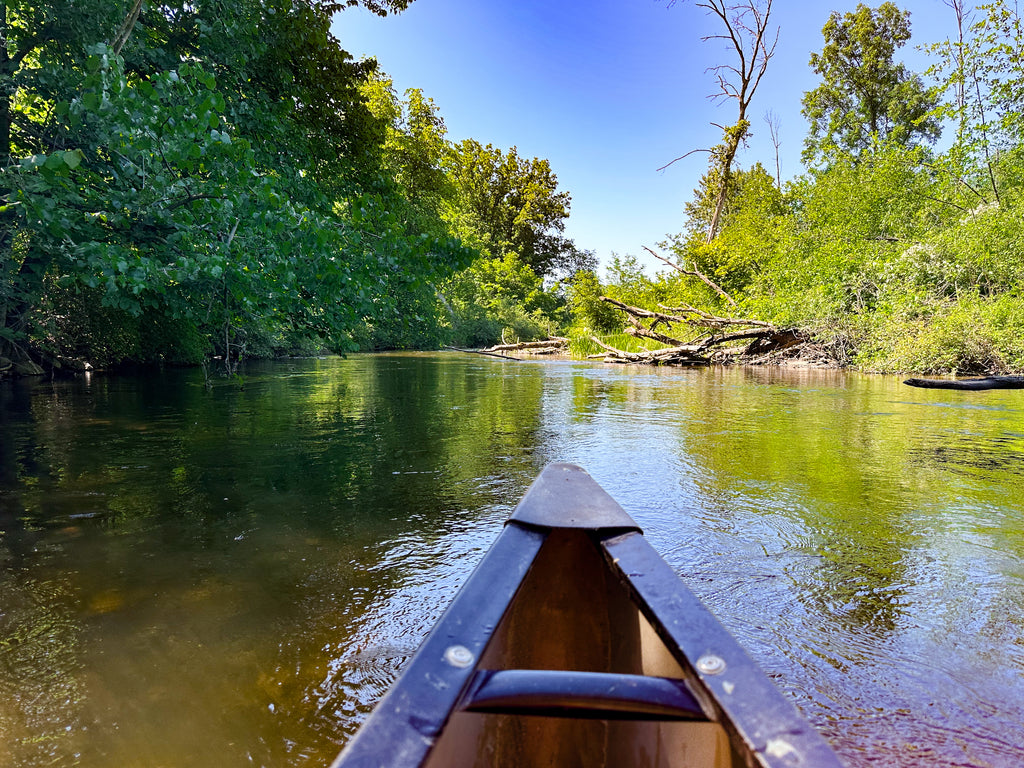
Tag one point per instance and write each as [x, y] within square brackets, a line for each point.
[607, 90]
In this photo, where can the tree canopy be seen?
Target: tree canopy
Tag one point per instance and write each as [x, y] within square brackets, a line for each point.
[865, 95]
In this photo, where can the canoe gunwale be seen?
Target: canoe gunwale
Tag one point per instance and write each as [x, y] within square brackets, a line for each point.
[404, 725]
[737, 693]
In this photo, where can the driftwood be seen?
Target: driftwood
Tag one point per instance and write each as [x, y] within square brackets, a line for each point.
[636, 329]
[483, 352]
[715, 342]
[989, 382]
[684, 355]
[549, 346]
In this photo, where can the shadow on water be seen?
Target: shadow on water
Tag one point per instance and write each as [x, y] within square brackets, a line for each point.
[236, 575]
[233, 577]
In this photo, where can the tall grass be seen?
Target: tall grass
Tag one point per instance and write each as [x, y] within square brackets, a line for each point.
[581, 345]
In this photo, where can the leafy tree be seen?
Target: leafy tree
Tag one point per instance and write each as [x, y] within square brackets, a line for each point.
[982, 72]
[289, 87]
[414, 146]
[224, 174]
[514, 202]
[588, 311]
[41, 46]
[752, 224]
[501, 297]
[864, 94]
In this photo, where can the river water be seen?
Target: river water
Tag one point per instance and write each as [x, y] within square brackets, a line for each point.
[232, 577]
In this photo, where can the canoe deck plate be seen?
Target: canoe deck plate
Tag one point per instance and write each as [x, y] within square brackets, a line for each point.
[566, 496]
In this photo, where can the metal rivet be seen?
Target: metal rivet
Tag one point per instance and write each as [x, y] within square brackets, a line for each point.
[711, 664]
[458, 656]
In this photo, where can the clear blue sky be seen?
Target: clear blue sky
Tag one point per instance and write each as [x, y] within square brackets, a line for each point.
[607, 91]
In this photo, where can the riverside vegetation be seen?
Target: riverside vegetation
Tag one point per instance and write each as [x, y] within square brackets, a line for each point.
[188, 180]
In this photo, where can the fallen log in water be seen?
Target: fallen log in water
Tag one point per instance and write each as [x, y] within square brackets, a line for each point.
[989, 382]
[550, 346]
[684, 355]
[716, 343]
[483, 352]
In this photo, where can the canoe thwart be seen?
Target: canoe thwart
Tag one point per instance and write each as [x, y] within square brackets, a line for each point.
[566, 496]
[599, 695]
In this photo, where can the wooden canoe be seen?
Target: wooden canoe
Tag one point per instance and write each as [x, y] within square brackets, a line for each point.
[574, 644]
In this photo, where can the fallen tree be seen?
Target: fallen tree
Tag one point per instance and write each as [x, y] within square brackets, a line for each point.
[716, 341]
[550, 346]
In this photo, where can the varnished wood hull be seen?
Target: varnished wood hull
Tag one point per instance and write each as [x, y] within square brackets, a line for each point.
[574, 644]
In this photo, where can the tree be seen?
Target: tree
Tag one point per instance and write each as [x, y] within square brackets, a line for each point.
[588, 311]
[864, 94]
[222, 172]
[747, 32]
[515, 203]
[414, 144]
[747, 232]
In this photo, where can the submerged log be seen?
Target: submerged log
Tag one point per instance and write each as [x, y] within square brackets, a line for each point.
[988, 382]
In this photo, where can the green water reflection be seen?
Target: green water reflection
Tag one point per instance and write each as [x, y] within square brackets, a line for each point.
[233, 577]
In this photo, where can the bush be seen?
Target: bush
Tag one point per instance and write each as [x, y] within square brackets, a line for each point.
[973, 334]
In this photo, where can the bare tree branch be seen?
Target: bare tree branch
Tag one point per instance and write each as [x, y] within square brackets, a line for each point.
[681, 157]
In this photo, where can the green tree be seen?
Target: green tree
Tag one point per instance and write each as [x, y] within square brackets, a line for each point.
[415, 143]
[514, 202]
[753, 222]
[501, 297]
[588, 311]
[864, 93]
[224, 172]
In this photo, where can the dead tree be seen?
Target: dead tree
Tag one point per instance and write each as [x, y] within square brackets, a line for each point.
[694, 273]
[747, 33]
[550, 346]
[773, 122]
[716, 341]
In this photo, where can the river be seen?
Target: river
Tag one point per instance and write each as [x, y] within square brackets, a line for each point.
[232, 577]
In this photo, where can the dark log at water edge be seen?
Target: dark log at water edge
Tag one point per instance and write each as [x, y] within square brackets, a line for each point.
[483, 352]
[989, 382]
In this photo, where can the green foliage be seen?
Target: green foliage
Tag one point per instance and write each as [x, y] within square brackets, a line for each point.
[225, 174]
[971, 334]
[865, 95]
[846, 223]
[514, 203]
[414, 143]
[500, 298]
[588, 311]
[754, 228]
[628, 283]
